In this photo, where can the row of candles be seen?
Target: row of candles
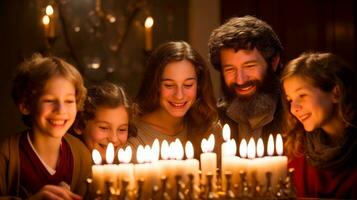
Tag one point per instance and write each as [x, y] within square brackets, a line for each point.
[150, 168]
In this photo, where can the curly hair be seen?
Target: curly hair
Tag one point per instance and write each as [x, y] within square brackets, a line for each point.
[247, 33]
[324, 71]
[106, 95]
[32, 75]
[203, 112]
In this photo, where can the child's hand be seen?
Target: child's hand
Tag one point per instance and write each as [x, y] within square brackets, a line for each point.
[53, 192]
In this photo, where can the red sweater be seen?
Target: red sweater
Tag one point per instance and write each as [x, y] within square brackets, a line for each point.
[324, 183]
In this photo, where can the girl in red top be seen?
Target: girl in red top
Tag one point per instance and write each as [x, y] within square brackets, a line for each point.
[320, 90]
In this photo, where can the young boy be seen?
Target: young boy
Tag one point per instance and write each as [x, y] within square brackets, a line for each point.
[44, 162]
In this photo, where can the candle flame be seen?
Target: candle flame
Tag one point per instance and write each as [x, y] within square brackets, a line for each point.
[172, 152]
[232, 147]
[189, 150]
[270, 145]
[251, 148]
[210, 143]
[243, 148]
[124, 156]
[149, 22]
[226, 132]
[165, 154]
[204, 145]
[260, 148]
[109, 154]
[97, 159]
[279, 145]
[140, 154]
[49, 10]
[155, 150]
[179, 150]
[46, 20]
[147, 153]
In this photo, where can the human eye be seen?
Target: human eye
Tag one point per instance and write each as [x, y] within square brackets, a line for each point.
[103, 128]
[228, 69]
[70, 101]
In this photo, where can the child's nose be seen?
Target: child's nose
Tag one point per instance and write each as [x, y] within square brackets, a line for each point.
[179, 93]
[296, 106]
[113, 137]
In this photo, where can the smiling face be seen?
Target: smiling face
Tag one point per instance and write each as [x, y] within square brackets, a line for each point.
[313, 107]
[55, 109]
[243, 71]
[178, 88]
[109, 125]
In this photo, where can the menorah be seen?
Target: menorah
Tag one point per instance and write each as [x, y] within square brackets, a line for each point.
[250, 176]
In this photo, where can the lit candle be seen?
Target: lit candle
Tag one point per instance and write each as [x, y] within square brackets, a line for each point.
[263, 164]
[125, 168]
[229, 162]
[251, 168]
[46, 22]
[281, 160]
[149, 22]
[97, 171]
[110, 169]
[153, 154]
[139, 168]
[241, 162]
[51, 24]
[165, 164]
[208, 160]
[192, 165]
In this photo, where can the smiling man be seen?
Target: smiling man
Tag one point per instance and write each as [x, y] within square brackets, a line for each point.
[247, 53]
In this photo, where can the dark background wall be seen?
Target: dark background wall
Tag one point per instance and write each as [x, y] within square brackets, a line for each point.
[323, 25]
[304, 25]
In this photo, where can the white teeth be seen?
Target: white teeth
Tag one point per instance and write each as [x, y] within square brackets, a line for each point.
[178, 104]
[58, 122]
[246, 88]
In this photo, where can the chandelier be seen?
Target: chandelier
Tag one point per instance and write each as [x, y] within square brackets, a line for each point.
[99, 34]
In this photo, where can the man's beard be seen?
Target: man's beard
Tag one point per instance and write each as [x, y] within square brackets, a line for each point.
[262, 101]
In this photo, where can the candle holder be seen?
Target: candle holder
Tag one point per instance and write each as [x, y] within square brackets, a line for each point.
[245, 190]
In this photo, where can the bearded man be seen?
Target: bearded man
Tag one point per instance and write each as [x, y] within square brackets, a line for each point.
[246, 51]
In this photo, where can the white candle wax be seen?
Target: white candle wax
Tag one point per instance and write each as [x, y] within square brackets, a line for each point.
[97, 172]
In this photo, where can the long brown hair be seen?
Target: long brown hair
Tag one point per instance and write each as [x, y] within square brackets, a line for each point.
[203, 112]
[324, 71]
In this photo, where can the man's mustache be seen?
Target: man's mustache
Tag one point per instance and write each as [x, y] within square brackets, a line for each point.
[234, 86]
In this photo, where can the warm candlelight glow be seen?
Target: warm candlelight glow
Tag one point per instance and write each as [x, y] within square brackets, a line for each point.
[210, 143]
[149, 22]
[46, 20]
[204, 147]
[279, 145]
[165, 150]
[179, 150]
[109, 154]
[189, 150]
[97, 159]
[231, 148]
[260, 148]
[226, 132]
[140, 154]
[172, 153]
[147, 154]
[124, 156]
[251, 148]
[243, 148]
[270, 145]
[155, 150]
[49, 10]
